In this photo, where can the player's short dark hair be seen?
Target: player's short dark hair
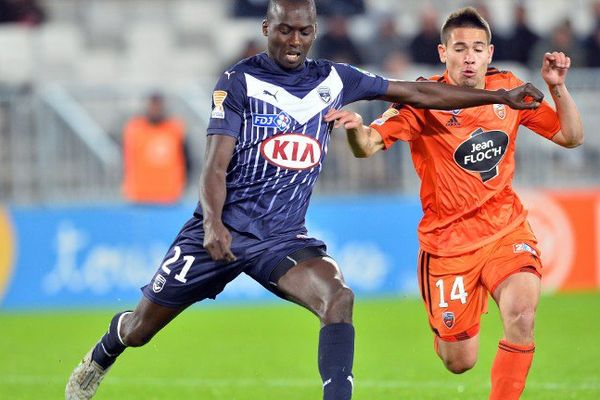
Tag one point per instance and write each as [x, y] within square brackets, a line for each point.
[466, 17]
[274, 3]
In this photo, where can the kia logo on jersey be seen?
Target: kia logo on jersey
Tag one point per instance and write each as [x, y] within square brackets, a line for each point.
[291, 151]
[482, 152]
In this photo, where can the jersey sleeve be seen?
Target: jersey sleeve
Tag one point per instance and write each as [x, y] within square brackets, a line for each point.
[228, 99]
[543, 120]
[399, 122]
[360, 84]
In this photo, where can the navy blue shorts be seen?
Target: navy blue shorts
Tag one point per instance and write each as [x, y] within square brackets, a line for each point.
[188, 274]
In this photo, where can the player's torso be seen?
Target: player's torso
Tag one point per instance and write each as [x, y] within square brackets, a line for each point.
[467, 155]
[475, 145]
[466, 161]
[281, 145]
[283, 133]
[276, 117]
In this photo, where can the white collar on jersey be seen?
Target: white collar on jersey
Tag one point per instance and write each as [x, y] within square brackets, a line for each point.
[301, 109]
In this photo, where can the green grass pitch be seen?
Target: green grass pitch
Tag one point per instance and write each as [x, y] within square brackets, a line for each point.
[263, 352]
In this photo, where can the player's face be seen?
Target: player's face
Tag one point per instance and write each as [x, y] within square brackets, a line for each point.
[467, 55]
[290, 31]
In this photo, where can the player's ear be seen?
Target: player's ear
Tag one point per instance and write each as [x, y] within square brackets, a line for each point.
[265, 27]
[442, 53]
[491, 51]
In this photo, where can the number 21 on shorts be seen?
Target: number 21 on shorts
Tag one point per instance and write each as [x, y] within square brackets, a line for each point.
[189, 260]
[457, 293]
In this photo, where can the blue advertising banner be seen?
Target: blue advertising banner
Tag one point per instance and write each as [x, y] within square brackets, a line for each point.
[100, 256]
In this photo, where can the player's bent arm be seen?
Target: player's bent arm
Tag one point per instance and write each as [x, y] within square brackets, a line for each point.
[440, 96]
[571, 128]
[217, 240]
[363, 141]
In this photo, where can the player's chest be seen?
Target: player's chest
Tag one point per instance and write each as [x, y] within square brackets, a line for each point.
[285, 142]
[491, 117]
[473, 140]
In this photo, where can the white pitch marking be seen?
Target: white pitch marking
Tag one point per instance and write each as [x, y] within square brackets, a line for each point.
[592, 385]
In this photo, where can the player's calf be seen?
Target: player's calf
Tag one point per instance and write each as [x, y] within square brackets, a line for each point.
[111, 345]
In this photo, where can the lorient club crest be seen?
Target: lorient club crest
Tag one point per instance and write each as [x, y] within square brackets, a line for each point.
[448, 318]
[500, 110]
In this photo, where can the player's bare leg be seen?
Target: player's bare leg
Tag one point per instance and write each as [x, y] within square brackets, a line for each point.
[517, 297]
[318, 285]
[458, 357]
[127, 329]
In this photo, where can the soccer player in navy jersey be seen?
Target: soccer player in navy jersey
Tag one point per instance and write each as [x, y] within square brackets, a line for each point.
[266, 143]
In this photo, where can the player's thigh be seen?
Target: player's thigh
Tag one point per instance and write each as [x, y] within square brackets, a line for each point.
[518, 296]
[188, 274]
[301, 271]
[314, 283]
[514, 269]
[453, 294]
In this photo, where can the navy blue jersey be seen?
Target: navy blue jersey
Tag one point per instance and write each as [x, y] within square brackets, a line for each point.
[276, 116]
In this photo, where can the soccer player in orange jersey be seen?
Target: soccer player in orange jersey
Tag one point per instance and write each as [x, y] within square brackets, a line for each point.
[474, 237]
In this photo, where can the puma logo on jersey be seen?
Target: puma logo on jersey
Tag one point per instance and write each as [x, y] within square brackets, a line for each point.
[270, 94]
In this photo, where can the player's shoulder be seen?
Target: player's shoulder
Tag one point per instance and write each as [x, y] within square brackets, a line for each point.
[433, 78]
[237, 70]
[496, 78]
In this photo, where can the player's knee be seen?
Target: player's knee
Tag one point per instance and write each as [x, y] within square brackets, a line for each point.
[521, 317]
[459, 365]
[338, 307]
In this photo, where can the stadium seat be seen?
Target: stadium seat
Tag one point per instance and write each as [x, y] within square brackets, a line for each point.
[16, 57]
[59, 47]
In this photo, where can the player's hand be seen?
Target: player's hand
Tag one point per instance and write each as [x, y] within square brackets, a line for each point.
[554, 68]
[217, 241]
[347, 119]
[524, 97]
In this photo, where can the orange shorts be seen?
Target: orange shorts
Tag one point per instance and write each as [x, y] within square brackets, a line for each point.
[455, 289]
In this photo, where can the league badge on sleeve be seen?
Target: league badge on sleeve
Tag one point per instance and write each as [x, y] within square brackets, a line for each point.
[448, 318]
[219, 97]
[390, 112]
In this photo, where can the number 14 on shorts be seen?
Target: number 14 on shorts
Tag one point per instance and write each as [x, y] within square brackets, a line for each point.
[457, 293]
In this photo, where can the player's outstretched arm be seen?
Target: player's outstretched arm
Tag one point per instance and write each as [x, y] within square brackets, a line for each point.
[440, 96]
[554, 71]
[363, 141]
[217, 239]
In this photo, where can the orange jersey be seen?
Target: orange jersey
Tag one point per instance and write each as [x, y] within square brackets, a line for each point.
[466, 162]
[154, 161]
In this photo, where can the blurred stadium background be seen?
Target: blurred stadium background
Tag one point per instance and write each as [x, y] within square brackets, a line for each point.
[71, 249]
